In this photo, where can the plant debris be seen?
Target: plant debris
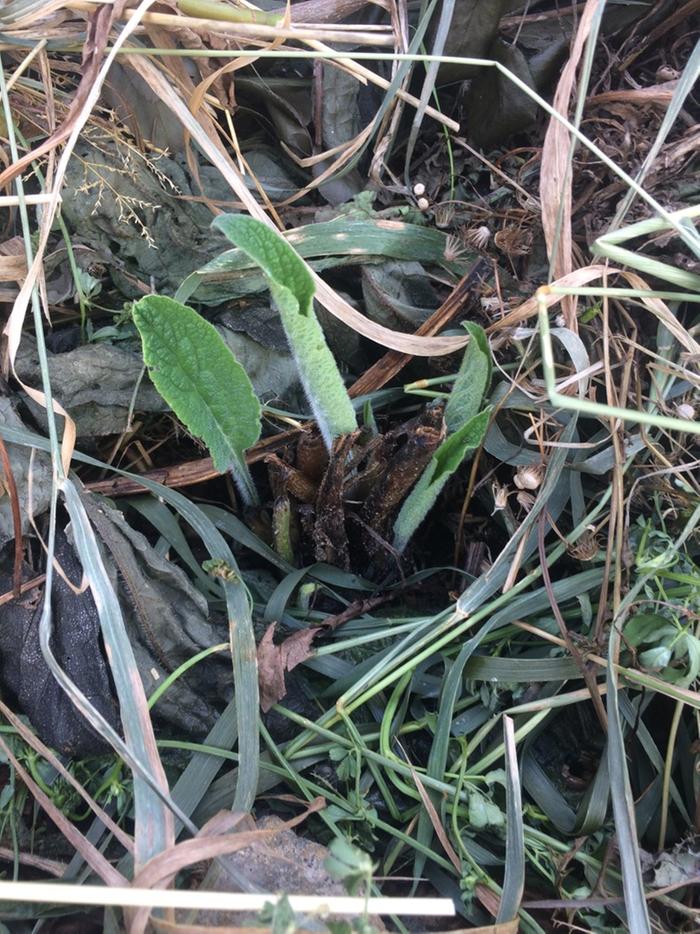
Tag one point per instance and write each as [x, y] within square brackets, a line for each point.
[348, 462]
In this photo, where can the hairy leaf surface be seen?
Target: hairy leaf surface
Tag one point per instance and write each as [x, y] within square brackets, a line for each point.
[292, 290]
[201, 380]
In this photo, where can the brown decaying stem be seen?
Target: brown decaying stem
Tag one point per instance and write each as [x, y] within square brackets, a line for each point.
[16, 520]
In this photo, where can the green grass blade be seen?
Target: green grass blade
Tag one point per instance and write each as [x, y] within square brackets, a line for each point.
[201, 770]
[514, 880]
[623, 806]
[349, 238]
[203, 383]
[452, 686]
[154, 823]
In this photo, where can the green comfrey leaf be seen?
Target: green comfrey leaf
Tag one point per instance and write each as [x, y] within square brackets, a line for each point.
[466, 426]
[455, 447]
[282, 265]
[645, 627]
[203, 383]
[292, 289]
[443, 464]
[473, 380]
[657, 657]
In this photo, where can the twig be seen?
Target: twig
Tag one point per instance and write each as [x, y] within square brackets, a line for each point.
[393, 362]
[16, 519]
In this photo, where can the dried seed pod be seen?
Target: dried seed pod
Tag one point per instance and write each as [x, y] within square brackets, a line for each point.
[500, 496]
[525, 499]
[454, 248]
[685, 410]
[513, 241]
[444, 214]
[529, 476]
[478, 237]
[586, 548]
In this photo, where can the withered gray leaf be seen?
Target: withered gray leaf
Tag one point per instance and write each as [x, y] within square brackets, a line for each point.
[167, 622]
[77, 648]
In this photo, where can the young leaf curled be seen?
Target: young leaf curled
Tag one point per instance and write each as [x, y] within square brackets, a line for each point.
[203, 383]
[466, 426]
[444, 462]
[292, 289]
[473, 380]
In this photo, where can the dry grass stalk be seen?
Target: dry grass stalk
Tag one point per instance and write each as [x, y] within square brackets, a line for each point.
[245, 30]
[555, 179]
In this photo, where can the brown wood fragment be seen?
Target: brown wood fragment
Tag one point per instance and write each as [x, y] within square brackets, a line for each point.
[394, 361]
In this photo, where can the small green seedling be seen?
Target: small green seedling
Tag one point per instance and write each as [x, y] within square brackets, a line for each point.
[466, 426]
[350, 865]
[203, 383]
[292, 289]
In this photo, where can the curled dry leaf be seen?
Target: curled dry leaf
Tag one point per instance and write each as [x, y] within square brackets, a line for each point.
[275, 660]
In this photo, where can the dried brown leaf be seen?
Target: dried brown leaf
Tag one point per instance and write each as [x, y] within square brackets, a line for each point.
[214, 839]
[275, 660]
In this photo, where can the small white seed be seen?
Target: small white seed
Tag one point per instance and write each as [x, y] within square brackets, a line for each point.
[423, 204]
[419, 189]
[685, 410]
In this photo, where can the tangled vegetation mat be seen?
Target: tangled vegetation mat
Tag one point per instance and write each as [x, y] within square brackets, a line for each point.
[348, 466]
